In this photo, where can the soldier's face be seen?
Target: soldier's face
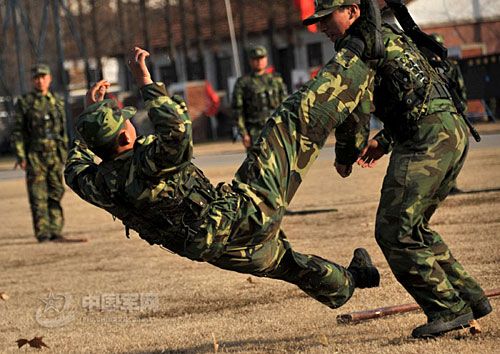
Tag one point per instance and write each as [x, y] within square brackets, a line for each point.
[42, 82]
[336, 24]
[258, 64]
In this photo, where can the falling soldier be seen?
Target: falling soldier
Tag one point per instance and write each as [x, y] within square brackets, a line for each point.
[150, 184]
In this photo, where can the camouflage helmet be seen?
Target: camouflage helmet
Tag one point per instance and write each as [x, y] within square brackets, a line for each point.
[100, 122]
[257, 52]
[40, 69]
[323, 8]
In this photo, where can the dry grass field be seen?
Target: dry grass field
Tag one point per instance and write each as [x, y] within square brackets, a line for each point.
[114, 295]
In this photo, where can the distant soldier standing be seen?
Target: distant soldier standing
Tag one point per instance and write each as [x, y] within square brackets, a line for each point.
[40, 143]
[255, 96]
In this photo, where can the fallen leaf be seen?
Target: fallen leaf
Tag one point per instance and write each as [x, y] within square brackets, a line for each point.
[475, 328]
[21, 342]
[37, 343]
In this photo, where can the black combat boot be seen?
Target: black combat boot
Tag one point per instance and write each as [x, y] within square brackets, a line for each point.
[444, 324]
[363, 271]
[481, 308]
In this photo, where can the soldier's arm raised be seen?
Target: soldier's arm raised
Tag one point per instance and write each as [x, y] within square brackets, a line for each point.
[173, 146]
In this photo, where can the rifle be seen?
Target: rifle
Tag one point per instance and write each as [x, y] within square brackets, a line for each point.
[426, 44]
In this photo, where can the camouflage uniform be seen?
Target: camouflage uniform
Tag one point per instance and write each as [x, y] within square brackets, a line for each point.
[39, 138]
[156, 190]
[429, 144]
[254, 99]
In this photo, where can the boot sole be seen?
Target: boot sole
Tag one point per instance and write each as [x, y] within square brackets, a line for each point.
[430, 330]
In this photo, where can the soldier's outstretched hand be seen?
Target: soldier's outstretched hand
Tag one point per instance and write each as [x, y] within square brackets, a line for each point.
[97, 92]
[138, 67]
[370, 154]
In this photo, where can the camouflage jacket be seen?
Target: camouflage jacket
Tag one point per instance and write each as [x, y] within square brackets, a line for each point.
[407, 89]
[39, 125]
[153, 188]
[255, 97]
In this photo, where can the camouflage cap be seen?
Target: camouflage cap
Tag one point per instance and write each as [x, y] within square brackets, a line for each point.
[40, 69]
[257, 52]
[323, 8]
[100, 122]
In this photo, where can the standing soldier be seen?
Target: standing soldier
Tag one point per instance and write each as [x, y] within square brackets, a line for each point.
[40, 143]
[255, 97]
[429, 144]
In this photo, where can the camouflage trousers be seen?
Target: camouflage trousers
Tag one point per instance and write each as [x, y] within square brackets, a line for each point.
[265, 184]
[45, 189]
[421, 173]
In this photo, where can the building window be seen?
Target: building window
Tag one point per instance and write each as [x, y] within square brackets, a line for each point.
[196, 70]
[314, 54]
[223, 66]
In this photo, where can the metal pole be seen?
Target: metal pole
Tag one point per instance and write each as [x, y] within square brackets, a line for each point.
[234, 44]
[20, 64]
[60, 61]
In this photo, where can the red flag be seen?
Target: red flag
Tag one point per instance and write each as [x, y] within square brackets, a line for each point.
[306, 8]
[213, 100]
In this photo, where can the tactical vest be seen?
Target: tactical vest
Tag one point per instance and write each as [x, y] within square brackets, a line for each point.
[405, 86]
[173, 216]
[448, 71]
[44, 122]
[261, 95]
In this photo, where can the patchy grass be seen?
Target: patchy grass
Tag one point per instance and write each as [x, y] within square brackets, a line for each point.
[201, 309]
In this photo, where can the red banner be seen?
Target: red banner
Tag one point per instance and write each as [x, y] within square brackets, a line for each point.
[306, 8]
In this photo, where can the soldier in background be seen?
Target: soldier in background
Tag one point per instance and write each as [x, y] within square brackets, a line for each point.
[255, 96]
[40, 143]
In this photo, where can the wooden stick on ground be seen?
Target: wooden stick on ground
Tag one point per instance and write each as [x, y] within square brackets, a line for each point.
[358, 316]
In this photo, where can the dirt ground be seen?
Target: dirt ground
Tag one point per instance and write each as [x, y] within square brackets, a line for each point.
[114, 295]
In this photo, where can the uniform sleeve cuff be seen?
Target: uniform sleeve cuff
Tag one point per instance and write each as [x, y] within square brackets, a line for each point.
[154, 90]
